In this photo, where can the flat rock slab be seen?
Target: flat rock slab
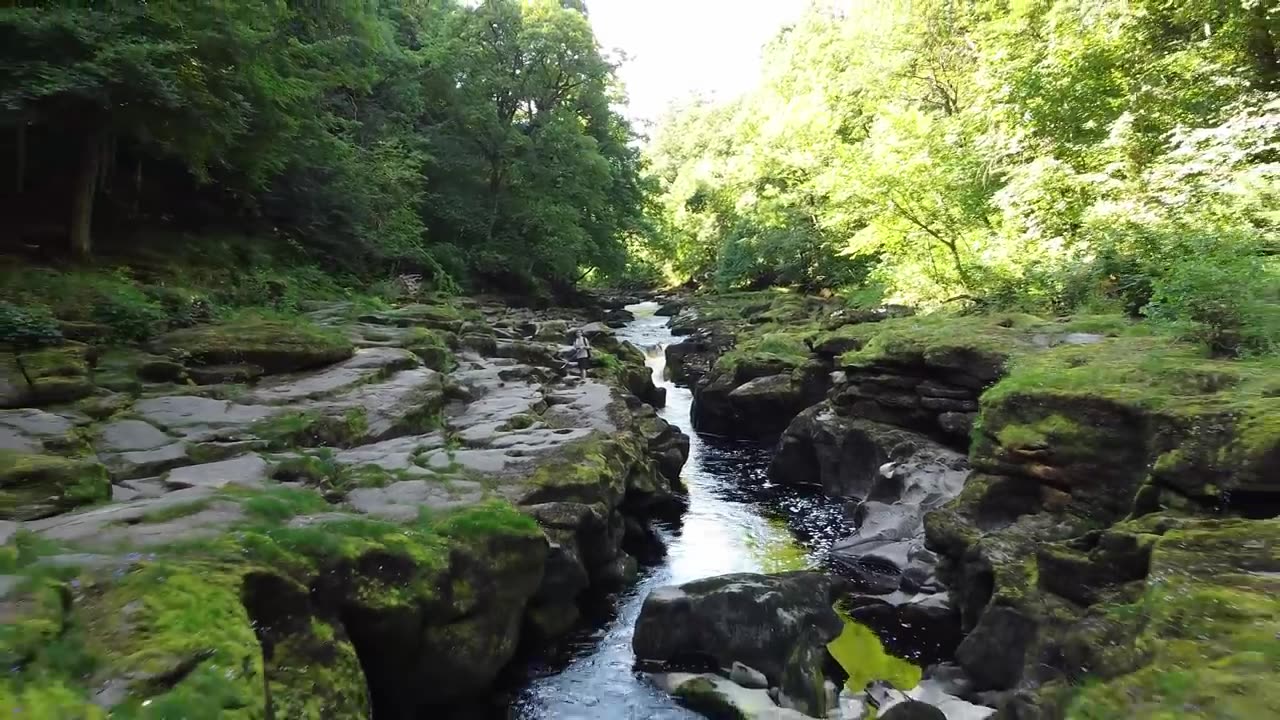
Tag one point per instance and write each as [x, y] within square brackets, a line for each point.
[182, 411]
[748, 703]
[142, 463]
[247, 471]
[388, 403]
[401, 501]
[363, 367]
[26, 429]
[90, 524]
[36, 422]
[394, 454]
[582, 405]
[8, 528]
[126, 435]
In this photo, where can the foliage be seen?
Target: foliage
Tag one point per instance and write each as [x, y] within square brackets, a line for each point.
[455, 140]
[1048, 157]
[24, 328]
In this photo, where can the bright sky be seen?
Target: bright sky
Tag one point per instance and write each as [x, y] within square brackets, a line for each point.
[681, 47]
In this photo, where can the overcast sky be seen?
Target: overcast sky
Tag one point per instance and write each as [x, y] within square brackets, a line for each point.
[680, 47]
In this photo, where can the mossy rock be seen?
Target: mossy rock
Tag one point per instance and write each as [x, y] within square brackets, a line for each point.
[57, 375]
[1210, 629]
[1112, 417]
[36, 486]
[276, 346]
[593, 470]
[701, 695]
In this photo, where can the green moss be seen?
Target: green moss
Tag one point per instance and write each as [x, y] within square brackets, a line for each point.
[279, 504]
[312, 429]
[1055, 430]
[494, 517]
[701, 695]
[33, 486]
[1212, 629]
[588, 471]
[430, 346]
[939, 338]
[314, 674]
[863, 657]
[276, 345]
[785, 347]
[57, 374]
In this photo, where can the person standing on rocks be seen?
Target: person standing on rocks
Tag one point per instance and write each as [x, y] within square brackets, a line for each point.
[581, 353]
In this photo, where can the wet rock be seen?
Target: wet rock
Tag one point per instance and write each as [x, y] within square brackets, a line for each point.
[994, 652]
[778, 624]
[669, 308]
[923, 628]
[899, 476]
[716, 697]
[913, 710]
[748, 677]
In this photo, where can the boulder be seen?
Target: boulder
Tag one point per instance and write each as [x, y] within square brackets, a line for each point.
[778, 624]
[274, 345]
[57, 375]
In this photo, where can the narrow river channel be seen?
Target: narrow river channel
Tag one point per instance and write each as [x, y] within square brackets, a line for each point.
[736, 522]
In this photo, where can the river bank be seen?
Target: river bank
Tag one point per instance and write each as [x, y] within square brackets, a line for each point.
[1058, 487]
[258, 518]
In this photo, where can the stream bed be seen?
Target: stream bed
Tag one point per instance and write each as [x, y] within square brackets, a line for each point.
[737, 521]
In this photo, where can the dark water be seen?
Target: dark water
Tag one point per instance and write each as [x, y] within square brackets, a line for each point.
[736, 522]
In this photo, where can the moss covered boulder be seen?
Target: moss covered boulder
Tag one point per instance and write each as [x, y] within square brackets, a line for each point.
[292, 612]
[276, 346]
[37, 486]
[45, 377]
[1210, 628]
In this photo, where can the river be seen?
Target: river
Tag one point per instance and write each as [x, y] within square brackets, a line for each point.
[737, 521]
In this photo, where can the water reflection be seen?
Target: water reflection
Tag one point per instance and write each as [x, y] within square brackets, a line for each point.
[736, 522]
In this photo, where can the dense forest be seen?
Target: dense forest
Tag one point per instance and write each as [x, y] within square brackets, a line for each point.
[368, 359]
[473, 142]
[1046, 155]
[1052, 156]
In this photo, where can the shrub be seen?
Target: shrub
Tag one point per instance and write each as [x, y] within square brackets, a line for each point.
[24, 328]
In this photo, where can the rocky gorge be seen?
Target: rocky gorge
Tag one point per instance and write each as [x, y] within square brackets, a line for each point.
[370, 513]
[358, 514]
[1059, 518]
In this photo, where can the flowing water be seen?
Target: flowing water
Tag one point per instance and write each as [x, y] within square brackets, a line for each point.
[736, 522]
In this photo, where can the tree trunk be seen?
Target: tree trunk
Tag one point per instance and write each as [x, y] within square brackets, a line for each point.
[1262, 45]
[82, 195]
[20, 162]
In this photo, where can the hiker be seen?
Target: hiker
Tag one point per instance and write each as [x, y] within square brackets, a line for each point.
[581, 353]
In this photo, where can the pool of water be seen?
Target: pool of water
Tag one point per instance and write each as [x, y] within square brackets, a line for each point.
[737, 521]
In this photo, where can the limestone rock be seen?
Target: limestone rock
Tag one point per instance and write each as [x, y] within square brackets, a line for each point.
[275, 345]
[124, 435]
[778, 624]
[246, 471]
